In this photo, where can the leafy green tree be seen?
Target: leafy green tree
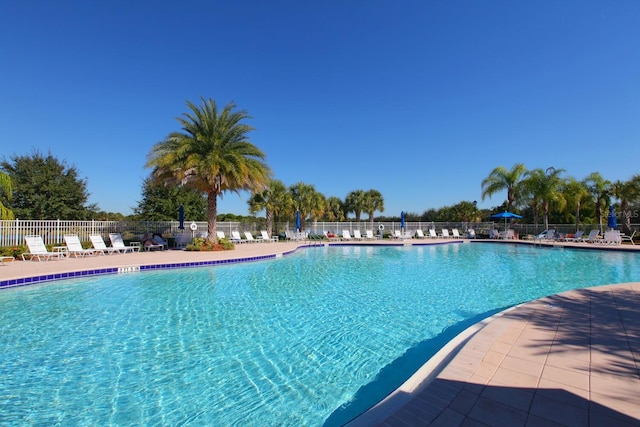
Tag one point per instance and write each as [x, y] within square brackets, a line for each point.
[46, 188]
[600, 190]
[275, 200]
[161, 203]
[501, 179]
[355, 202]
[372, 202]
[5, 190]
[211, 154]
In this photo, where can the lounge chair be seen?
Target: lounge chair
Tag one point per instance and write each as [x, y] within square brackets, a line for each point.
[38, 250]
[419, 234]
[494, 234]
[573, 238]
[547, 235]
[100, 247]
[220, 235]
[455, 233]
[266, 238]
[4, 260]
[74, 247]
[445, 233]
[369, 234]
[471, 233]
[625, 238]
[432, 233]
[182, 240]
[508, 234]
[117, 242]
[357, 235]
[346, 235]
[593, 237]
[612, 237]
[249, 237]
[235, 237]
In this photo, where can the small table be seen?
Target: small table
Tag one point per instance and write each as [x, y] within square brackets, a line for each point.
[61, 251]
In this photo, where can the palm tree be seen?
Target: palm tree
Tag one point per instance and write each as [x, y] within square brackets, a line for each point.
[275, 200]
[373, 201]
[5, 187]
[627, 192]
[212, 154]
[354, 202]
[600, 190]
[502, 179]
[544, 187]
[307, 201]
[575, 192]
[334, 209]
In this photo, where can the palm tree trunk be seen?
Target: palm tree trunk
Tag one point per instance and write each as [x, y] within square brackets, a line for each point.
[269, 225]
[212, 216]
[577, 216]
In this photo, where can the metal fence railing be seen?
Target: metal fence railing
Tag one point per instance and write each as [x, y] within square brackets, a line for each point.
[12, 232]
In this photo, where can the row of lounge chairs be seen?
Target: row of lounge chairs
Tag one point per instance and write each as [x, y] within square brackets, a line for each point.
[611, 237]
[248, 237]
[73, 247]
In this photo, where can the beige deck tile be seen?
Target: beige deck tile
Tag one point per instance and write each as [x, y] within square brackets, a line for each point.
[547, 406]
[547, 384]
[523, 366]
[566, 376]
[510, 377]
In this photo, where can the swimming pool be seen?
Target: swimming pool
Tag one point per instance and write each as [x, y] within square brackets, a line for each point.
[312, 338]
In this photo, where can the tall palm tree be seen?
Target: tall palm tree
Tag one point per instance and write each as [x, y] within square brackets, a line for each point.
[275, 200]
[307, 201]
[627, 192]
[373, 201]
[6, 188]
[600, 190]
[212, 153]
[334, 209]
[576, 193]
[544, 186]
[354, 202]
[501, 179]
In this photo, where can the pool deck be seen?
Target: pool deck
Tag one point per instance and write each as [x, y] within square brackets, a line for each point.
[571, 359]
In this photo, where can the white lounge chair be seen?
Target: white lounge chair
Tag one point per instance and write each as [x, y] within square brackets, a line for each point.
[445, 233]
[369, 234]
[593, 237]
[346, 235]
[419, 234]
[74, 247]
[38, 250]
[455, 233]
[182, 240]
[612, 237]
[249, 237]
[266, 238]
[471, 233]
[99, 245]
[575, 238]
[117, 242]
[357, 235]
[625, 238]
[508, 234]
[220, 235]
[432, 233]
[236, 238]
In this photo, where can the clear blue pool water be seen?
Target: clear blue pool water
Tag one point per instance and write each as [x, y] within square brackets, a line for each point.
[310, 339]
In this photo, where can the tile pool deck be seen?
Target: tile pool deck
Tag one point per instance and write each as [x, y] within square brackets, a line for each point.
[570, 359]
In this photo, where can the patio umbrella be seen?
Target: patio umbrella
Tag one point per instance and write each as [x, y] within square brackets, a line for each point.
[298, 221]
[505, 215]
[402, 221]
[181, 217]
[612, 222]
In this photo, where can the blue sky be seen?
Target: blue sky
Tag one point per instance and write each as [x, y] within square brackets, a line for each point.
[418, 99]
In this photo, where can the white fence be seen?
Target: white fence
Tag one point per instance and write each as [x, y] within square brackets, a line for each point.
[12, 232]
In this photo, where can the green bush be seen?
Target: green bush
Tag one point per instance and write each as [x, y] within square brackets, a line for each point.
[200, 244]
[14, 251]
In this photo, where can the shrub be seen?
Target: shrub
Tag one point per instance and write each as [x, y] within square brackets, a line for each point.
[200, 244]
[14, 251]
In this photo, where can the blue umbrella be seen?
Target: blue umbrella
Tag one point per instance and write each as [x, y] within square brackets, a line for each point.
[402, 222]
[612, 221]
[181, 217]
[298, 221]
[505, 215]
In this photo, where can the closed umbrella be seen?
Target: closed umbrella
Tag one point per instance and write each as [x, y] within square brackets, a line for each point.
[298, 221]
[612, 221]
[402, 221]
[505, 215]
[181, 217]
